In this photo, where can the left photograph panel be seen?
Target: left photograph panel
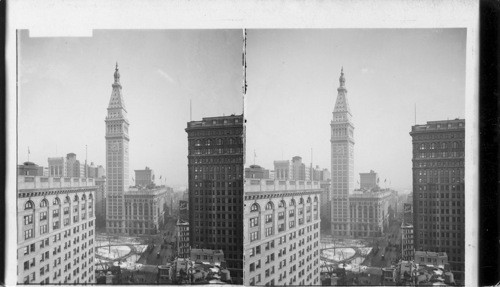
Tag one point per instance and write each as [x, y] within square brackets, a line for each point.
[130, 149]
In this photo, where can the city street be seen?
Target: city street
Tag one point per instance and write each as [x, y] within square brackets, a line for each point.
[387, 246]
[167, 251]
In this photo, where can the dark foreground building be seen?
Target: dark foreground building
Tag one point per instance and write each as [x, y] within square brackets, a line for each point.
[215, 164]
[438, 190]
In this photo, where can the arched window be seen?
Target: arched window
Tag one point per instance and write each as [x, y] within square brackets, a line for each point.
[197, 143]
[44, 203]
[28, 205]
[75, 198]
[56, 201]
[84, 197]
[91, 197]
[301, 201]
[254, 207]
[292, 202]
[308, 200]
[209, 142]
[269, 205]
[282, 203]
[67, 199]
[219, 141]
[315, 199]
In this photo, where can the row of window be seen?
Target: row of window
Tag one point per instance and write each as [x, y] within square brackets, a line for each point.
[45, 203]
[281, 204]
[219, 141]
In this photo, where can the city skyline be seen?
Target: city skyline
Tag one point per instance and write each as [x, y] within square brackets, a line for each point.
[293, 75]
[67, 83]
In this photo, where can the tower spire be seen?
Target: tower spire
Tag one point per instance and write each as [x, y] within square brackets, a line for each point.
[341, 104]
[117, 74]
[342, 78]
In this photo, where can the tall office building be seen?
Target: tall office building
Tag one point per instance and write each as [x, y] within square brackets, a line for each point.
[215, 163]
[144, 177]
[282, 232]
[342, 143]
[117, 141]
[438, 190]
[282, 169]
[57, 166]
[368, 180]
[55, 230]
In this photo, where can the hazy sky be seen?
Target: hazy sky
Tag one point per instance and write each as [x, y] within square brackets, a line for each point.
[292, 86]
[65, 87]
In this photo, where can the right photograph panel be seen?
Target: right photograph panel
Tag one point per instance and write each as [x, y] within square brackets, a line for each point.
[354, 170]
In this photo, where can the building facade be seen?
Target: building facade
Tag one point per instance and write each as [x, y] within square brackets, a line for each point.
[117, 163]
[73, 166]
[282, 170]
[215, 164]
[438, 190]
[144, 177]
[29, 168]
[57, 166]
[100, 203]
[256, 171]
[407, 246]
[368, 180]
[298, 169]
[55, 230]
[369, 213]
[342, 158]
[183, 250]
[145, 210]
[282, 232]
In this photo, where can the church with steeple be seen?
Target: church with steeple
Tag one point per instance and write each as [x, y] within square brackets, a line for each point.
[342, 159]
[117, 163]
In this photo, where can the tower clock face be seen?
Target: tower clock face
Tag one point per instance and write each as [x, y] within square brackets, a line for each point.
[115, 147]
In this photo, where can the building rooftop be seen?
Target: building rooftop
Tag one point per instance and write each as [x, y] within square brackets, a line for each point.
[456, 124]
[146, 191]
[379, 194]
[28, 182]
[219, 121]
[268, 185]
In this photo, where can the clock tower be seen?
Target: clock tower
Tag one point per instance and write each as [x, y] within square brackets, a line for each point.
[342, 142]
[117, 141]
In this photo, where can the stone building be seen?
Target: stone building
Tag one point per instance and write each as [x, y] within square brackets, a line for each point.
[57, 166]
[407, 246]
[342, 159]
[282, 232]
[144, 177]
[439, 190]
[29, 168]
[182, 239]
[368, 180]
[282, 170]
[73, 166]
[100, 203]
[145, 210]
[117, 159]
[298, 169]
[256, 171]
[55, 230]
[215, 164]
[369, 213]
